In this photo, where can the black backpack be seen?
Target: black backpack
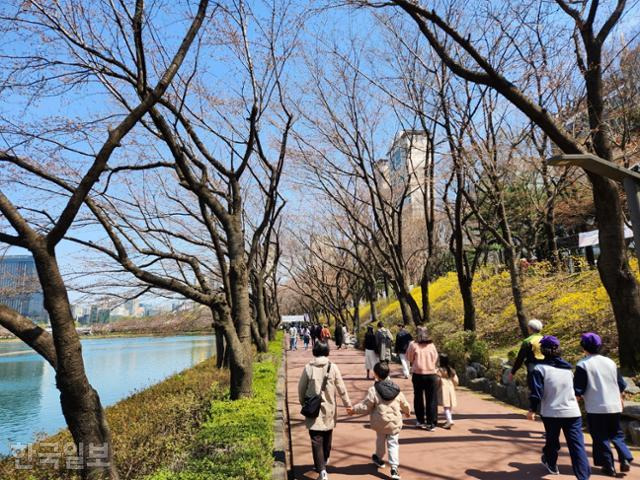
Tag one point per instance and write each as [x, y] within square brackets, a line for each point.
[311, 406]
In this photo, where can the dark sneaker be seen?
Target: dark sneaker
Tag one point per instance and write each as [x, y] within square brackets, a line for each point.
[552, 469]
[625, 466]
[609, 472]
[379, 463]
[394, 473]
[430, 428]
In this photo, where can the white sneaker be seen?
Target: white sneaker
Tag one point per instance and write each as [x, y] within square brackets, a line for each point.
[323, 475]
[447, 425]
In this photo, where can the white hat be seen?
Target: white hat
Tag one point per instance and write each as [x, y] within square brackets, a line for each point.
[535, 325]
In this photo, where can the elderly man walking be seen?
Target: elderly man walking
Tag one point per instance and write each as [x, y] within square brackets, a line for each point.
[598, 382]
[530, 353]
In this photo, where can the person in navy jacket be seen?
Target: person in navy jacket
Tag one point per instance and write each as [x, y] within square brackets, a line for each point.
[551, 384]
[598, 382]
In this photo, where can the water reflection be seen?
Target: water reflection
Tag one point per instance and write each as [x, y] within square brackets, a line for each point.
[29, 401]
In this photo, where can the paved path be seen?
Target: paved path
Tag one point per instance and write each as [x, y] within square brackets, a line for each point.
[490, 440]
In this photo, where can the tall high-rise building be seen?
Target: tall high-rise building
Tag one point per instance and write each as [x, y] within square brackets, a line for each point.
[409, 157]
[19, 287]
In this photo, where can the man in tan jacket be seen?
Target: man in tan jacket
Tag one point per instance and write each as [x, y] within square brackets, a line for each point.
[386, 404]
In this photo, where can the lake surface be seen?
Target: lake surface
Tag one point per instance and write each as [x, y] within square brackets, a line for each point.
[116, 367]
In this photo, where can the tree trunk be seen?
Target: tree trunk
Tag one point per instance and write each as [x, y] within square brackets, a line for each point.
[468, 303]
[372, 303]
[241, 369]
[408, 307]
[553, 254]
[424, 287]
[273, 331]
[238, 356]
[405, 310]
[80, 403]
[356, 320]
[463, 271]
[260, 343]
[241, 351]
[261, 313]
[516, 289]
[220, 347]
[613, 264]
[616, 275]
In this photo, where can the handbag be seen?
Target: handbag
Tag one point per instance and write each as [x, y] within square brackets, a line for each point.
[311, 406]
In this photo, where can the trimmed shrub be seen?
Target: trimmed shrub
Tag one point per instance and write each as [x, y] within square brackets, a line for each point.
[236, 442]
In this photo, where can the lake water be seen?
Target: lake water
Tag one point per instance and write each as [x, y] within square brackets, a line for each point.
[116, 367]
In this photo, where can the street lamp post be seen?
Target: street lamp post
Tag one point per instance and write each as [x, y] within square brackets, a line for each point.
[630, 179]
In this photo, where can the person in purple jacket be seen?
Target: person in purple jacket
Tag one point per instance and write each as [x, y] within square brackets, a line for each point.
[551, 384]
[599, 383]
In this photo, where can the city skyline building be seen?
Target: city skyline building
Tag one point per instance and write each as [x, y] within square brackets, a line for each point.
[20, 289]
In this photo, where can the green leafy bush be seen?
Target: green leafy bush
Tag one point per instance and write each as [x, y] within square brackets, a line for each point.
[463, 348]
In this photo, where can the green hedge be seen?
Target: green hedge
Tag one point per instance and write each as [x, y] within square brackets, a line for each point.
[236, 442]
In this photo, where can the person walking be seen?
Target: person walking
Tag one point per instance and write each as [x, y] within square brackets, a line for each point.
[403, 339]
[530, 353]
[338, 336]
[386, 405]
[345, 336]
[383, 343]
[321, 377]
[447, 389]
[325, 334]
[293, 337]
[370, 347]
[423, 356]
[599, 383]
[306, 336]
[314, 334]
[552, 391]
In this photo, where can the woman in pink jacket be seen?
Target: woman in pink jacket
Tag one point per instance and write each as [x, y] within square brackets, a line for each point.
[423, 356]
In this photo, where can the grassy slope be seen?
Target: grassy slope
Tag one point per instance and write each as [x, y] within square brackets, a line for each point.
[568, 304]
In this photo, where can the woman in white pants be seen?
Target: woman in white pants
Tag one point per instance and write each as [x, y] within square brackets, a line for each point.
[370, 355]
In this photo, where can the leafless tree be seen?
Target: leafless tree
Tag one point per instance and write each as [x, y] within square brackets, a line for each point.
[75, 42]
[209, 219]
[476, 51]
[494, 153]
[344, 161]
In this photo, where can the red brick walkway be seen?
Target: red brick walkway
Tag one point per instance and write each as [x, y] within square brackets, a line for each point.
[490, 440]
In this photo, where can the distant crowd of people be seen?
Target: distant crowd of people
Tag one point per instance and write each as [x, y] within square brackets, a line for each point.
[310, 333]
[555, 391]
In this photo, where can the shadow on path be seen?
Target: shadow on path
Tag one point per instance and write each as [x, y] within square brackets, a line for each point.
[490, 416]
[522, 472]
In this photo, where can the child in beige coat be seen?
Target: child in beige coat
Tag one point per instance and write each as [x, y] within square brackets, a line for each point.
[447, 390]
[386, 404]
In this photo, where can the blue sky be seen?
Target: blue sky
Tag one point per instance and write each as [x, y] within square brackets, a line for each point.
[323, 31]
